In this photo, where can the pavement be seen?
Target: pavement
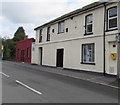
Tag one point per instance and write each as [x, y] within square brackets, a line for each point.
[108, 80]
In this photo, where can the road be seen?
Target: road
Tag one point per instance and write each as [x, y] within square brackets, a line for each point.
[27, 85]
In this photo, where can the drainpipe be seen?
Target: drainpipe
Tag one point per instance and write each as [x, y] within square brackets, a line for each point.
[104, 59]
[118, 55]
[118, 43]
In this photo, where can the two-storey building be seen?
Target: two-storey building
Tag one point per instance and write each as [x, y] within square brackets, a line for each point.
[84, 39]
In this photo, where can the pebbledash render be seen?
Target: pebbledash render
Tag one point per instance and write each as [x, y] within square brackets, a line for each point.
[84, 39]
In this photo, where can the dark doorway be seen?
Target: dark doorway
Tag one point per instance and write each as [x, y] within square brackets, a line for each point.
[60, 53]
[40, 50]
[22, 55]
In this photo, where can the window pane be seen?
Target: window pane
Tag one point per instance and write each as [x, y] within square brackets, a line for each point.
[88, 53]
[92, 60]
[89, 19]
[113, 23]
[89, 28]
[84, 48]
[113, 12]
[48, 30]
[61, 27]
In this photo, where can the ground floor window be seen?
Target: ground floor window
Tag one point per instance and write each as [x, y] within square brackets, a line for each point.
[88, 53]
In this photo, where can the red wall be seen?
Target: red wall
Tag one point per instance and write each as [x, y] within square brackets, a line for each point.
[23, 50]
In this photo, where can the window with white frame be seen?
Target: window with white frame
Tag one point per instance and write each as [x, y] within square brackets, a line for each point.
[112, 18]
[88, 53]
[40, 36]
[89, 24]
[48, 34]
[61, 27]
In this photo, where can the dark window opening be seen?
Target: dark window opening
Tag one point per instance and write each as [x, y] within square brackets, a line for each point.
[53, 30]
[40, 36]
[66, 29]
[48, 34]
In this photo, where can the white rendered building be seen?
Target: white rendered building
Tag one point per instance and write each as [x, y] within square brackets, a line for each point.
[84, 39]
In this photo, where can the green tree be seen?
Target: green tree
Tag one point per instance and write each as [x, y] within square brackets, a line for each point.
[19, 34]
[9, 48]
[10, 44]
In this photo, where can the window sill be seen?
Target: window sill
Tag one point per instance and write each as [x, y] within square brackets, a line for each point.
[88, 63]
[88, 34]
[111, 29]
[60, 32]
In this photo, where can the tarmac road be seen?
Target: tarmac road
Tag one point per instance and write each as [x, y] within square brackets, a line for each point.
[28, 85]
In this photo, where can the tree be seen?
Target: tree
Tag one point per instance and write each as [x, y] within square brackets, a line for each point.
[19, 34]
[9, 48]
[10, 44]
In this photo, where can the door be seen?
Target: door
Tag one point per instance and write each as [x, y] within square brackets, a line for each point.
[22, 56]
[40, 55]
[112, 58]
[60, 53]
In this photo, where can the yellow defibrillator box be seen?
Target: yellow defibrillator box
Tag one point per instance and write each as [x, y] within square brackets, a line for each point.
[114, 56]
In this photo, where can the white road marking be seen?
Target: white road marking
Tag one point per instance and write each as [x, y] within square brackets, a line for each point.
[28, 87]
[4, 74]
[64, 75]
[106, 85]
[23, 84]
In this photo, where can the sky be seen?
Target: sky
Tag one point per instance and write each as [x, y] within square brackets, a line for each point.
[32, 13]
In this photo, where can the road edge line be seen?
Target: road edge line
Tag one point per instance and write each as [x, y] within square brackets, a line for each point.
[99, 83]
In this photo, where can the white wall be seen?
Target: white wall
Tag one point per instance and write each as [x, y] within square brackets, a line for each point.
[72, 41]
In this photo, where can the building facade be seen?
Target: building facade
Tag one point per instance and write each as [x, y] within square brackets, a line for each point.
[84, 39]
[24, 50]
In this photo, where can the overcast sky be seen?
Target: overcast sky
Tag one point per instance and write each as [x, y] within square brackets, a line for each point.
[33, 13]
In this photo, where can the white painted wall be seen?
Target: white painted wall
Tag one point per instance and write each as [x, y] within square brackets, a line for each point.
[72, 54]
[72, 42]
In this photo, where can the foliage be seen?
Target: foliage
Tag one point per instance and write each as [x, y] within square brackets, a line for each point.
[19, 34]
[10, 44]
[9, 48]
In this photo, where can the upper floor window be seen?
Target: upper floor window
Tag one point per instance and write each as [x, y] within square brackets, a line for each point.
[88, 24]
[40, 36]
[61, 27]
[112, 18]
[48, 34]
